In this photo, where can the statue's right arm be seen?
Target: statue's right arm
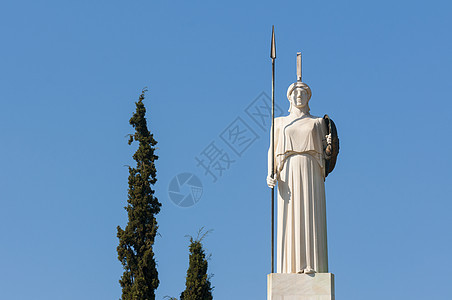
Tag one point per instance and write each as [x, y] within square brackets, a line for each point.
[271, 181]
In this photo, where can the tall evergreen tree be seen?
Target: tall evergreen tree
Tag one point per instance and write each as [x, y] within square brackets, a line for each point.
[140, 278]
[197, 284]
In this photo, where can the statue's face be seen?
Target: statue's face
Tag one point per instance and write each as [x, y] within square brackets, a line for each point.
[300, 97]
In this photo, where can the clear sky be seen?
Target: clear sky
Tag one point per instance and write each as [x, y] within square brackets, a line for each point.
[70, 72]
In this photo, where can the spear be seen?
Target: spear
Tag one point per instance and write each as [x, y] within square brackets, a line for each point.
[273, 57]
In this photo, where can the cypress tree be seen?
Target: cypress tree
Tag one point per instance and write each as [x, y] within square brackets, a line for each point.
[197, 284]
[140, 278]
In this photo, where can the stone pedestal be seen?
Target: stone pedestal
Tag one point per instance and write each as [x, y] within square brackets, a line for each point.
[318, 286]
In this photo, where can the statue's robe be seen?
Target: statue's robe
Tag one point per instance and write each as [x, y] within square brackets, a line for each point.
[301, 218]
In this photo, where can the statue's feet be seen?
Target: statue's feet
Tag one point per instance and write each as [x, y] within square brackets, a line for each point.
[309, 270]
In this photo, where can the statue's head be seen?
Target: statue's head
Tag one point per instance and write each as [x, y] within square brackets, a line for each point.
[299, 95]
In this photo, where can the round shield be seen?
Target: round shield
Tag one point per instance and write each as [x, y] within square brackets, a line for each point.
[333, 149]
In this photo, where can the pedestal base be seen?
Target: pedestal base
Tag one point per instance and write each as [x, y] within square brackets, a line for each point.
[318, 286]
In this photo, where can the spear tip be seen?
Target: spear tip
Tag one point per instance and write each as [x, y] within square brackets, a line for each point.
[273, 46]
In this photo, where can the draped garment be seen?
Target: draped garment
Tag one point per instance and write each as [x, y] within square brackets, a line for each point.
[301, 215]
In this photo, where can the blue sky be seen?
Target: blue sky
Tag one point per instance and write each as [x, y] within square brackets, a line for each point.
[71, 71]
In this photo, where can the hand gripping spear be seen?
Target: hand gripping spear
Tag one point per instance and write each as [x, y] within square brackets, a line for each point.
[273, 57]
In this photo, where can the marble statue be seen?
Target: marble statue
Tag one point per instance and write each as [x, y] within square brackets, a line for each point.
[302, 153]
